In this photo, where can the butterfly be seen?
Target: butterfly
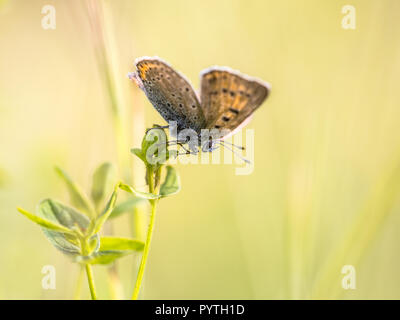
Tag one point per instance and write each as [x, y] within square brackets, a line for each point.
[226, 101]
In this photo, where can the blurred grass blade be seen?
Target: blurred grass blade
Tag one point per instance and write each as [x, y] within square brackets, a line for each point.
[172, 183]
[106, 56]
[45, 223]
[140, 194]
[383, 198]
[3, 178]
[102, 179]
[126, 206]
[78, 198]
[116, 243]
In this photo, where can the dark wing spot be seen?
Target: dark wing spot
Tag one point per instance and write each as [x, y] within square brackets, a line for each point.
[234, 110]
[187, 89]
[226, 119]
[232, 94]
[217, 126]
[181, 105]
[168, 104]
[224, 90]
[193, 106]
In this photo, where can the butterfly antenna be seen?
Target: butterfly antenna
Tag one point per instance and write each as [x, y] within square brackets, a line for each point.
[235, 153]
[233, 145]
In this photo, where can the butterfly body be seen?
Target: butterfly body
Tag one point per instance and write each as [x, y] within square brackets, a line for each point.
[227, 97]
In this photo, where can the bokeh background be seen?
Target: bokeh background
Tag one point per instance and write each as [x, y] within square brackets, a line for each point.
[326, 185]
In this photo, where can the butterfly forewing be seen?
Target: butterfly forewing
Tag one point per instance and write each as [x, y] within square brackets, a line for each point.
[229, 98]
[170, 93]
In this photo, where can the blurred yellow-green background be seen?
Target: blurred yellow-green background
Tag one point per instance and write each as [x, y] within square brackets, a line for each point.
[324, 192]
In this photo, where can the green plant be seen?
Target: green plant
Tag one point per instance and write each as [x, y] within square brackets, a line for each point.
[154, 154]
[75, 231]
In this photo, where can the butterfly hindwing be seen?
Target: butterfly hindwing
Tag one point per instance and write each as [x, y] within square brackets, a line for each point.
[229, 98]
[170, 93]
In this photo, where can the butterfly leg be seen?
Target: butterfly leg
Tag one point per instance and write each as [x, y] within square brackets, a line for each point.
[186, 153]
[181, 144]
[156, 126]
[170, 142]
[187, 150]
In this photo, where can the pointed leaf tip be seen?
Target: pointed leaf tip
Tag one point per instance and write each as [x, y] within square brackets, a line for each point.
[140, 194]
[102, 180]
[78, 198]
[45, 223]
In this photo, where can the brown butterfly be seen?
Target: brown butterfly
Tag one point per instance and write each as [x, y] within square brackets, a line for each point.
[227, 98]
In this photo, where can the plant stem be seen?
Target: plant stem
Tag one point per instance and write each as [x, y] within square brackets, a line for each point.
[89, 274]
[153, 203]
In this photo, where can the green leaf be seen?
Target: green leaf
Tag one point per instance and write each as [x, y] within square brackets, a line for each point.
[102, 179]
[67, 244]
[120, 244]
[154, 135]
[140, 194]
[171, 183]
[68, 217]
[59, 213]
[126, 206]
[78, 198]
[94, 243]
[102, 257]
[112, 248]
[45, 223]
[101, 219]
[138, 152]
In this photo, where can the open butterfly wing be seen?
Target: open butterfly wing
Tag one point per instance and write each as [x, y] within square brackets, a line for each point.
[169, 92]
[228, 98]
